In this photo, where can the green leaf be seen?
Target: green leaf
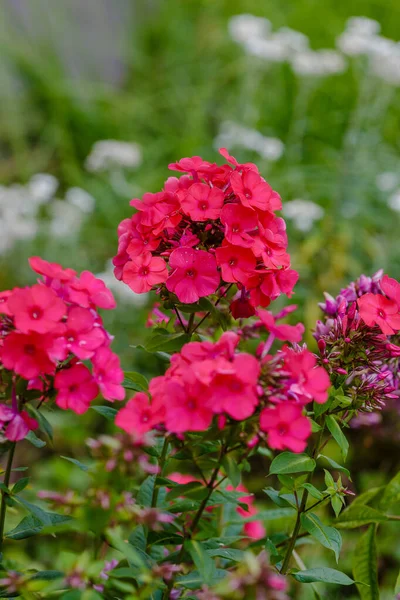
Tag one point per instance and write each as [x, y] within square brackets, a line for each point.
[194, 580]
[29, 526]
[397, 585]
[280, 499]
[391, 495]
[365, 565]
[76, 462]
[338, 435]
[320, 409]
[335, 465]
[34, 440]
[193, 489]
[324, 574]
[327, 536]
[46, 575]
[132, 555]
[367, 496]
[44, 424]
[313, 491]
[357, 515]
[204, 563]
[230, 465]
[227, 553]
[106, 411]
[288, 462]
[167, 342]
[20, 485]
[46, 518]
[135, 381]
[145, 492]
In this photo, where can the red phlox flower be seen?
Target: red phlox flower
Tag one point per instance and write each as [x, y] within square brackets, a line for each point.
[289, 333]
[88, 290]
[27, 354]
[82, 335]
[232, 160]
[391, 288]
[194, 274]
[235, 262]
[108, 374]
[4, 296]
[36, 309]
[50, 270]
[76, 388]
[197, 351]
[201, 202]
[310, 381]
[286, 426]
[144, 271]
[140, 415]
[18, 424]
[239, 222]
[140, 243]
[254, 192]
[376, 309]
[187, 408]
[193, 165]
[253, 529]
[158, 211]
[241, 308]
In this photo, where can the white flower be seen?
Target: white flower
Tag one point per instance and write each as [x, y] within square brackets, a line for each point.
[394, 201]
[120, 288]
[272, 50]
[66, 219]
[303, 213]
[42, 187]
[107, 154]
[235, 135]
[294, 41]
[363, 25]
[243, 28]
[81, 199]
[387, 181]
[319, 63]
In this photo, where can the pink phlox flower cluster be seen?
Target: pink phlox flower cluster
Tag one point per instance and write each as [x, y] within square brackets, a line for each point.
[211, 226]
[48, 329]
[209, 379]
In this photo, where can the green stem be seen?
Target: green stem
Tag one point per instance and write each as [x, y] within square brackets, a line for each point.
[162, 464]
[3, 507]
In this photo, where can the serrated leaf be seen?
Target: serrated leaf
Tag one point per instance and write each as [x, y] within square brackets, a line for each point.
[288, 462]
[324, 574]
[327, 536]
[335, 465]
[106, 411]
[365, 565]
[34, 440]
[391, 495]
[231, 469]
[138, 379]
[338, 435]
[203, 562]
[28, 527]
[357, 515]
[76, 462]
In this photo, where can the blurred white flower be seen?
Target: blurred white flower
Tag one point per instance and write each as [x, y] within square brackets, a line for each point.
[42, 187]
[387, 181]
[319, 63]
[81, 199]
[108, 154]
[66, 219]
[294, 41]
[394, 201]
[243, 28]
[303, 213]
[270, 49]
[363, 25]
[235, 135]
[124, 293]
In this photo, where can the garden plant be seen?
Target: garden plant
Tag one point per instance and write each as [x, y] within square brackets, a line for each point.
[164, 511]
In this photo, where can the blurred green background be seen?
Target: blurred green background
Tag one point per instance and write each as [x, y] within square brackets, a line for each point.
[173, 78]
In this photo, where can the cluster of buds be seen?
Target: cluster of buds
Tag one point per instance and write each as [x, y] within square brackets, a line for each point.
[358, 340]
[209, 380]
[213, 226]
[46, 332]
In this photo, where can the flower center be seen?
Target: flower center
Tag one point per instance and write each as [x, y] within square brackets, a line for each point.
[282, 429]
[191, 404]
[36, 312]
[73, 388]
[233, 262]
[235, 228]
[381, 313]
[204, 206]
[29, 349]
[191, 273]
[247, 193]
[143, 271]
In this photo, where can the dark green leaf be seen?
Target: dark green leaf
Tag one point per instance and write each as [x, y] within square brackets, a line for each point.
[367, 496]
[194, 580]
[323, 574]
[47, 575]
[133, 557]
[357, 515]
[28, 527]
[227, 553]
[137, 379]
[167, 342]
[338, 435]
[20, 485]
[288, 462]
[193, 489]
[230, 465]
[327, 536]
[76, 463]
[47, 519]
[44, 424]
[145, 492]
[106, 411]
[313, 491]
[365, 565]
[204, 563]
[335, 465]
[391, 495]
[34, 440]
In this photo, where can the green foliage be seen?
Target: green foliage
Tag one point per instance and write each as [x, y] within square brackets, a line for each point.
[324, 574]
[327, 536]
[359, 515]
[287, 462]
[365, 565]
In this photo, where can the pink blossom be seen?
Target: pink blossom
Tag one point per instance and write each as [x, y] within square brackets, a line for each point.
[76, 388]
[88, 290]
[310, 381]
[144, 271]
[239, 222]
[289, 333]
[201, 202]
[391, 288]
[51, 270]
[187, 407]
[140, 415]
[36, 309]
[194, 274]
[286, 426]
[108, 374]
[19, 424]
[82, 335]
[241, 308]
[27, 354]
[235, 262]
[254, 192]
[195, 164]
[376, 309]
